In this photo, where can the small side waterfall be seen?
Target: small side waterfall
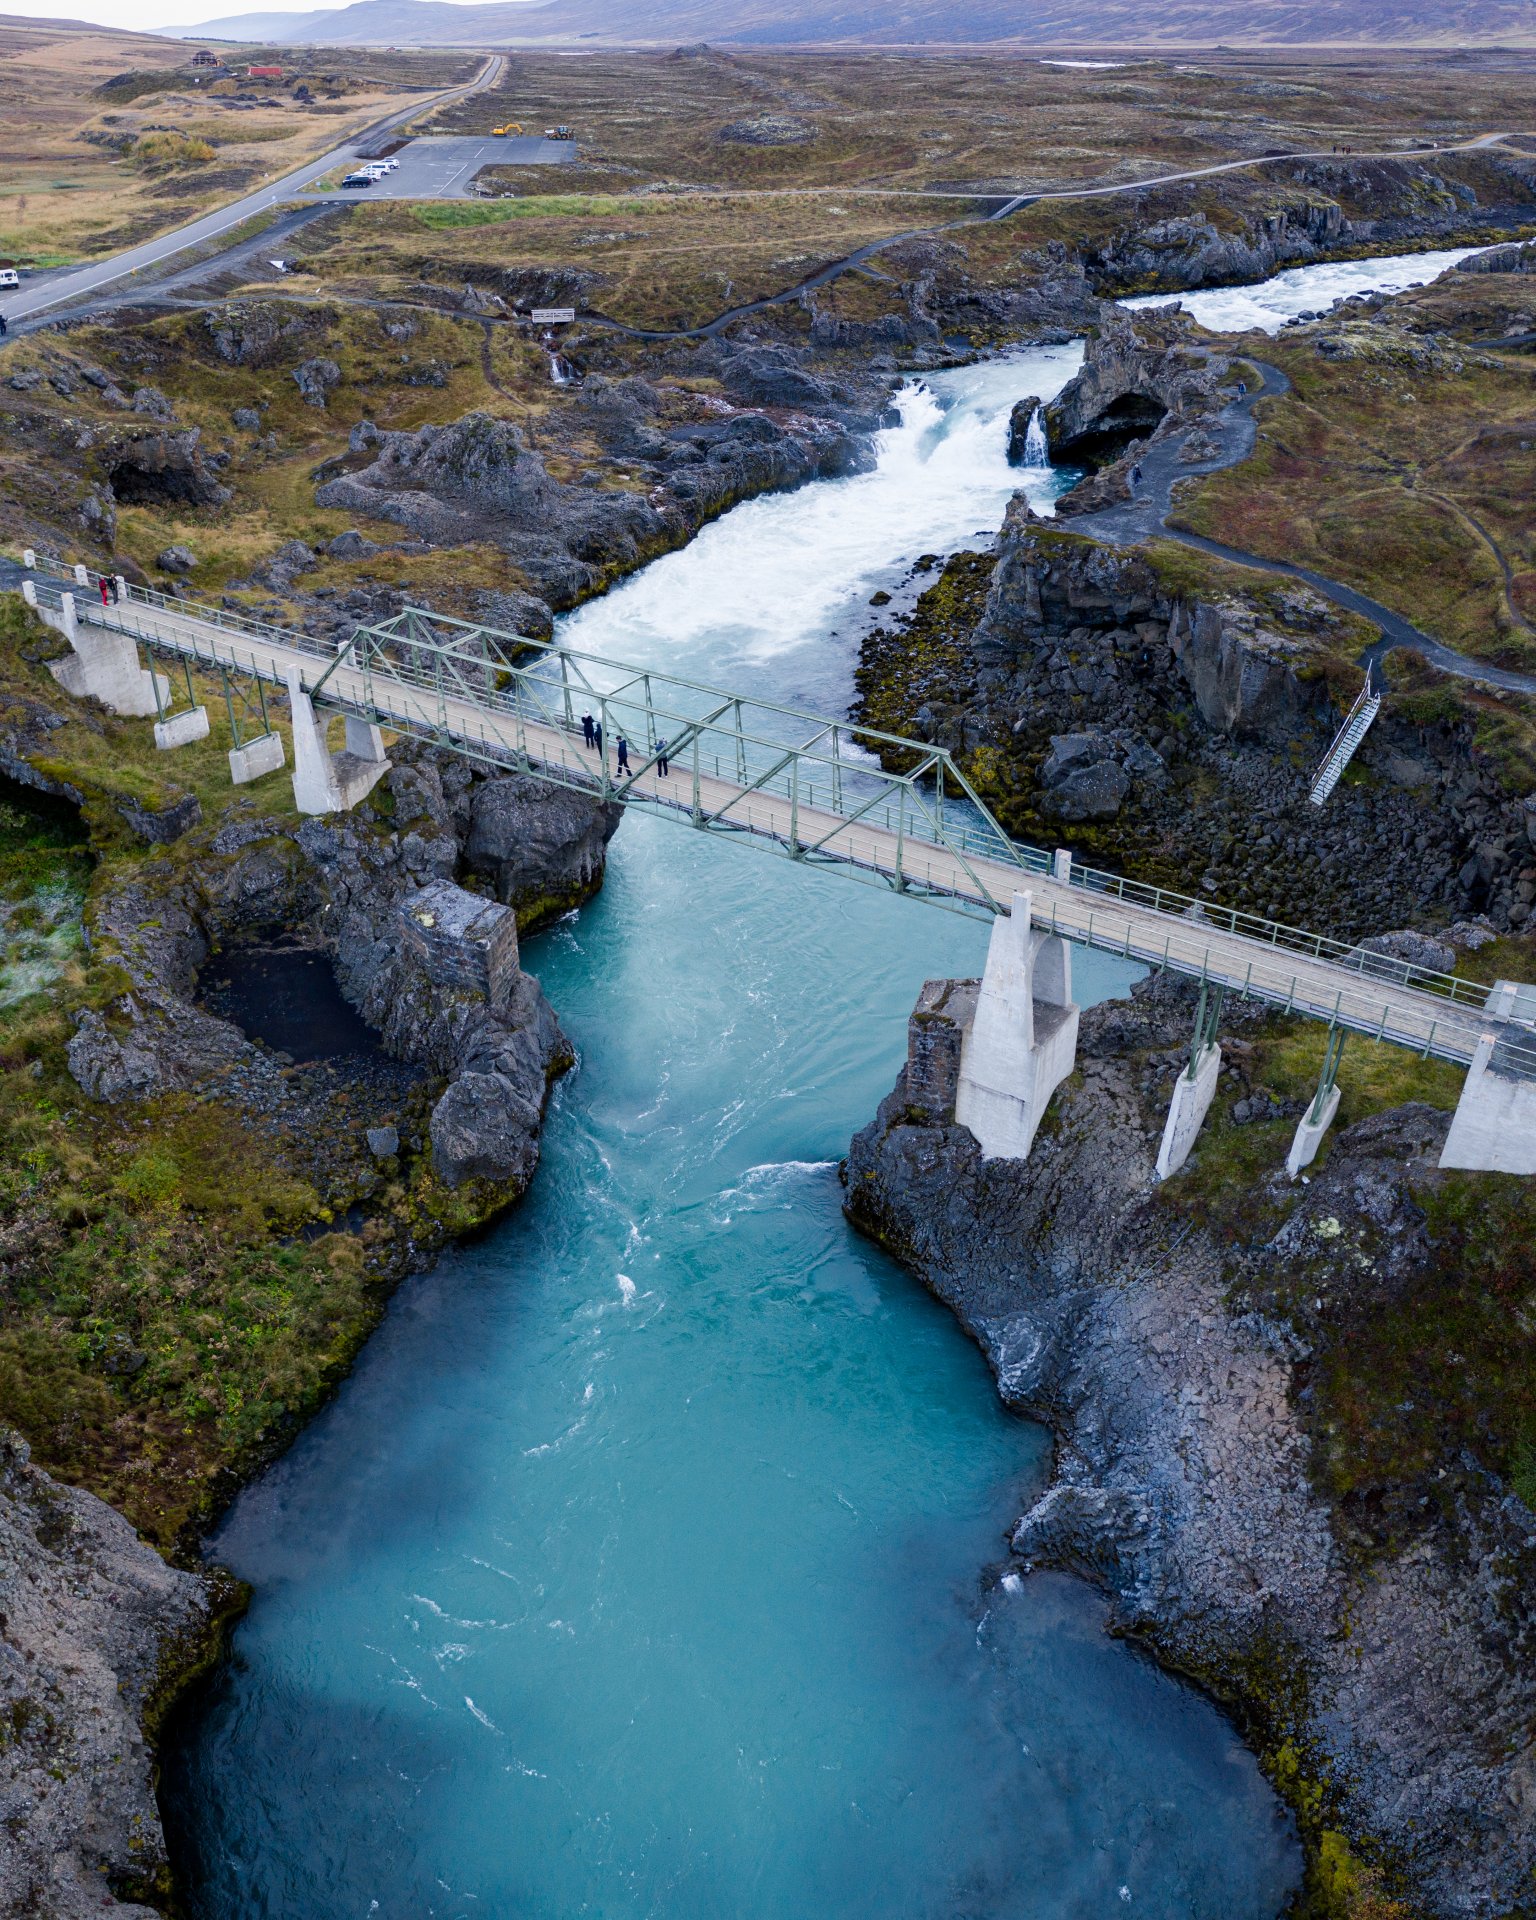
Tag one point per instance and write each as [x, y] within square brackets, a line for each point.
[1037, 452]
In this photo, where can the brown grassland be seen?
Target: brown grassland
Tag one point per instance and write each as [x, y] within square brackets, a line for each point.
[73, 106]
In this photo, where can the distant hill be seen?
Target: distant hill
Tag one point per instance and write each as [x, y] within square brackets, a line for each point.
[1048, 23]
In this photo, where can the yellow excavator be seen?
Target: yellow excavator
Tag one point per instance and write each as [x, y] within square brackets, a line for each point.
[512, 127]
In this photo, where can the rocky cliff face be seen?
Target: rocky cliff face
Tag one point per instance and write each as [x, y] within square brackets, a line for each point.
[668, 463]
[1212, 705]
[93, 1625]
[1136, 374]
[432, 967]
[1378, 1655]
[1326, 207]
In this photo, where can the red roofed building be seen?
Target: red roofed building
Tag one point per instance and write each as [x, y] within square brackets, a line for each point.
[263, 73]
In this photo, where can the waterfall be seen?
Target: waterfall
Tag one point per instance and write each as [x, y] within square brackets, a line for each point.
[1037, 452]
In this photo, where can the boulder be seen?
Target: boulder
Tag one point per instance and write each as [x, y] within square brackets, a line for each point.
[176, 559]
[484, 1128]
[316, 380]
[1407, 947]
[1023, 411]
[543, 848]
[352, 546]
[108, 1067]
[1093, 792]
[769, 130]
[151, 401]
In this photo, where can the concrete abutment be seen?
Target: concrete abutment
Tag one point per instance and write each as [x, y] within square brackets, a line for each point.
[1021, 1041]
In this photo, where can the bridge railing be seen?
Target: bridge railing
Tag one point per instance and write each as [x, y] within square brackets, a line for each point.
[1472, 994]
[417, 665]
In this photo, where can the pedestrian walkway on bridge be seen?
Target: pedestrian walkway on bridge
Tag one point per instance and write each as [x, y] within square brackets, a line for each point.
[892, 811]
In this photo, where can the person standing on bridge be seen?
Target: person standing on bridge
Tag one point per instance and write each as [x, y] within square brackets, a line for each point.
[106, 597]
[588, 730]
[661, 758]
[623, 753]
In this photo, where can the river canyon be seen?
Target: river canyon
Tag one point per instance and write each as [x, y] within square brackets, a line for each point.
[652, 1559]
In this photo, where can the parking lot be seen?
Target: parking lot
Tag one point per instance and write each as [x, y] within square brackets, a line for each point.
[441, 168]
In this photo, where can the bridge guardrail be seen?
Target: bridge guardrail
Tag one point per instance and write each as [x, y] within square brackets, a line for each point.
[1472, 994]
[983, 839]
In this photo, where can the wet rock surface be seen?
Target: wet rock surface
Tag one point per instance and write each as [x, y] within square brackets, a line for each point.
[1185, 1482]
[92, 1625]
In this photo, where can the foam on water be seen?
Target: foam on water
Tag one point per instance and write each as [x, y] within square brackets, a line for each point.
[1268, 304]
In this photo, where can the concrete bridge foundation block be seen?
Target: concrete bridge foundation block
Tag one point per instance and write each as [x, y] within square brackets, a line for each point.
[1186, 1113]
[103, 665]
[255, 758]
[1022, 1041]
[326, 782]
[315, 789]
[182, 729]
[1493, 1129]
[1309, 1136]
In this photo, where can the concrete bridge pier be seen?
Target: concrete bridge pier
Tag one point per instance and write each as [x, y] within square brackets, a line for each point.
[1195, 1088]
[1022, 1042]
[326, 782]
[1493, 1129]
[1318, 1118]
[102, 665]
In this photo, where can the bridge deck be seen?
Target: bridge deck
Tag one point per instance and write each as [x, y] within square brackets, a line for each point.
[1352, 996]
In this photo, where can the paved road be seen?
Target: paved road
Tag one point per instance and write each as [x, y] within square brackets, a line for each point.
[441, 166]
[64, 287]
[1285, 968]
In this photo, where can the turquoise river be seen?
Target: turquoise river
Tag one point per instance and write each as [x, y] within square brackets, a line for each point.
[653, 1560]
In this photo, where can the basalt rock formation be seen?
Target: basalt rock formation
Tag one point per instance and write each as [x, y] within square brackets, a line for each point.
[431, 966]
[1378, 1653]
[93, 1626]
[479, 479]
[1516, 258]
[1212, 700]
[1137, 374]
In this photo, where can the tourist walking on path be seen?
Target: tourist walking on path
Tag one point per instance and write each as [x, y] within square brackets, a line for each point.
[661, 758]
[1136, 474]
[588, 730]
[623, 754]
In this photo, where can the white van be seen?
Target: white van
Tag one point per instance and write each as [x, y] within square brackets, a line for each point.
[9, 277]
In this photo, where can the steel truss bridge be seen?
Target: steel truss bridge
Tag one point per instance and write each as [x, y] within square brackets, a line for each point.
[890, 811]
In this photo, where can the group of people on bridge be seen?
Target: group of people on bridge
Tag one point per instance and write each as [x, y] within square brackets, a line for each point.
[592, 735]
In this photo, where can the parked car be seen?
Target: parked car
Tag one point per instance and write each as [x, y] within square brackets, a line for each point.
[361, 180]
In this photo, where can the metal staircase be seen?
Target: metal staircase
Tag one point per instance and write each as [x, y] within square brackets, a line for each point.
[1357, 724]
